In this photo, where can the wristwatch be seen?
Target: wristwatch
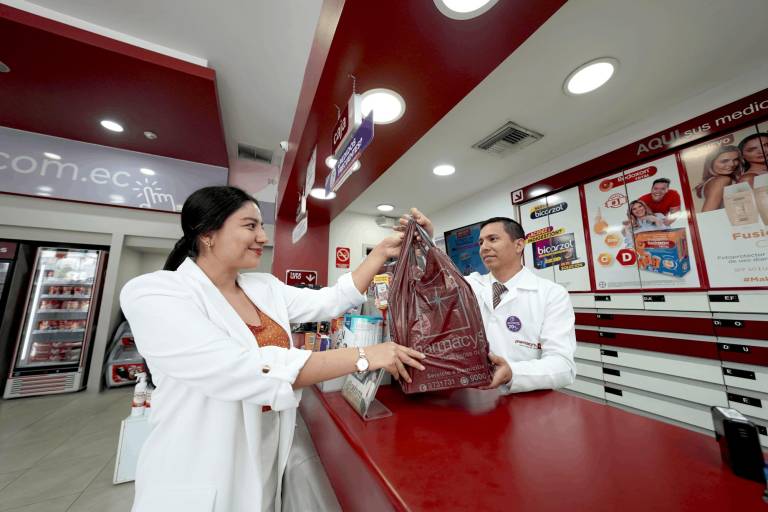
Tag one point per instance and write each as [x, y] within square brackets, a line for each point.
[362, 362]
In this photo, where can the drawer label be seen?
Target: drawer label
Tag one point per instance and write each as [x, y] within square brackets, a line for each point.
[654, 298]
[728, 323]
[604, 316]
[763, 431]
[742, 374]
[609, 353]
[731, 347]
[602, 334]
[614, 391]
[602, 298]
[723, 298]
[754, 402]
[611, 371]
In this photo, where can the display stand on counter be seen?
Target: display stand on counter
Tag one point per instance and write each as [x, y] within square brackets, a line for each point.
[123, 361]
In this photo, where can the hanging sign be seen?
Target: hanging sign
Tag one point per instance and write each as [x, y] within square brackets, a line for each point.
[300, 277]
[350, 120]
[357, 144]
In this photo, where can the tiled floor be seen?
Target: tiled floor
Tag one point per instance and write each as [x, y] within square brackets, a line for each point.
[57, 453]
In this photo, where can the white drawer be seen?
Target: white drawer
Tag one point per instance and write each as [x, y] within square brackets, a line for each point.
[738, 301]
[749, 403]
[589, 369]
[588, 351]
[690, 390]
[619, 301]
[762, 430]
[676, 301]
[745, 376]
[587, 387]
[685, 412]
[583, 300]
[671, 364]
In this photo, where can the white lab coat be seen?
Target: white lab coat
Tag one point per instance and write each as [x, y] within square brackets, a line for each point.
[203, 452]
[532, 328]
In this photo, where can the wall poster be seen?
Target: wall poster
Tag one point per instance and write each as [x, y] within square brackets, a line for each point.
[728, 177]
[556, 248]
[639, 229]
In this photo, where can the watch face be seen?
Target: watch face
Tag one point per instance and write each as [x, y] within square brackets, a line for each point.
[362, 364]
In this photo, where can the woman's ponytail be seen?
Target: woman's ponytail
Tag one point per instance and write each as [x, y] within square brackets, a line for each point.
[184, 248]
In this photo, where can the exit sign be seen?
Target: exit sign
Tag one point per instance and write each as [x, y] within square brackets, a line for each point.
[300, 277]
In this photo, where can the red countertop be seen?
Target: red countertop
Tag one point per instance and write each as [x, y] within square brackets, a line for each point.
[540, 451]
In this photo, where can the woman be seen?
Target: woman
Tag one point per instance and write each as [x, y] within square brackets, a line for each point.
[754, 150]
[218, 345]
[722, 168]
[639, 219]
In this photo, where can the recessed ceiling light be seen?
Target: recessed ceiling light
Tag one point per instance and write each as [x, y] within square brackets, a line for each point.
[444, 170]
[464, 9]
[150, 135]
[319, 193]
[330, 162]
[111, 126]
[116, 198]
[356, 165]
[4, 67]
[385, 207]
[590, 76]
[52, 156]
[44, 194]
[45, 188]
[387, 105]
[147, 172]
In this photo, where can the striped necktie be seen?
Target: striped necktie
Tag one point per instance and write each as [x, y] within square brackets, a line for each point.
[498, 290]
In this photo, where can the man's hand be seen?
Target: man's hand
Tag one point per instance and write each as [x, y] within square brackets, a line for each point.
[502, 374]
[420, 219]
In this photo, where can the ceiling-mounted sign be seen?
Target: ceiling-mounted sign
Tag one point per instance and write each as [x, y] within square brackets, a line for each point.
[300, 230]
[44, 166]
[300, 277]
[349, 121]
[310, 176]
[357, 144]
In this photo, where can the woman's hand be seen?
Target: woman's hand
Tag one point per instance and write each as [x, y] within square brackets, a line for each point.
[420, 219]
[394, 358]
[390, 246]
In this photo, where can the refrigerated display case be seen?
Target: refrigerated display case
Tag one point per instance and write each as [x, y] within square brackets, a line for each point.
[51, 351]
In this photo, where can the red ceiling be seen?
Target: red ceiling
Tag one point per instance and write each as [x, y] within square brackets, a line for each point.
[410, 47]
[64, 80]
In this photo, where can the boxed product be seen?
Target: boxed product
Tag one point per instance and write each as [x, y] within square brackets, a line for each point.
[665, 252]
[554, 251]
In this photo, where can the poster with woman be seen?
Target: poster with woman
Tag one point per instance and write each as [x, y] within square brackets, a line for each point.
[656, 226]
[556, 248]
[639, 229]
[728, 177]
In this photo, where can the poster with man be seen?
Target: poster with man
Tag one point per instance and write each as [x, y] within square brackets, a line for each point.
[641, 237]
[728, 176]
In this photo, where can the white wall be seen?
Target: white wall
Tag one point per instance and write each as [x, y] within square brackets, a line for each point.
[352, 230]
[497, 201]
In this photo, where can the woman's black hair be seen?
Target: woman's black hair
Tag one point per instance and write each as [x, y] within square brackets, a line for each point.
[743, 143]
[204, 212]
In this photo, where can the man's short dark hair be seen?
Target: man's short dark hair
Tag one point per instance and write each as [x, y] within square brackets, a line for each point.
[661, 180]
[512, 227]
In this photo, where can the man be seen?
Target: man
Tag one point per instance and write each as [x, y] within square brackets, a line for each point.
[529, 321]
[662, 200]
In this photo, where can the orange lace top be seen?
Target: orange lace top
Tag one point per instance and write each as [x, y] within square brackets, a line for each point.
[269, 333]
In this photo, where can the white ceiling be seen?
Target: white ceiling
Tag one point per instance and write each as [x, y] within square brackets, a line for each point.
[259, 49]
[669, 50]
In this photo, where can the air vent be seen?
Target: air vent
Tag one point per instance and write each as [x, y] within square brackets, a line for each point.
[509, 138]
[247, 152]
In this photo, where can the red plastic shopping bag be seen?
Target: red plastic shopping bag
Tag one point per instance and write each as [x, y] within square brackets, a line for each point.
[433, 310]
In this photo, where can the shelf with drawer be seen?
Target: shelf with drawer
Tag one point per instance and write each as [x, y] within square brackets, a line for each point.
[746, 376]
[662, 342]
[741, 325]
[588, 351]
[685, 389]
[619, 301]
[735, 350]
[667, 407]
[589, 369]
[705, 370]
[738, 301]
[689, 301]
[748, 402]
[587, 386]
